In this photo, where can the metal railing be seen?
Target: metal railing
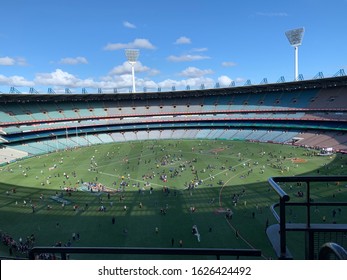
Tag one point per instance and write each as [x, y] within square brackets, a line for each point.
[284, 199]
[332, 250]
[217, 252]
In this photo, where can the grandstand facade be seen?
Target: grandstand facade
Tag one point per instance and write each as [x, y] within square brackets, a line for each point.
[309, 113]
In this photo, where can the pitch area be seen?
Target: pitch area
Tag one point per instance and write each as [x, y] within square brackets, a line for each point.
[152, 194]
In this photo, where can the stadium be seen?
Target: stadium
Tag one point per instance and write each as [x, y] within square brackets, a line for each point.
[178, 174]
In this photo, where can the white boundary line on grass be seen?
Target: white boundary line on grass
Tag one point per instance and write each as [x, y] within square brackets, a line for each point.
[229, 223]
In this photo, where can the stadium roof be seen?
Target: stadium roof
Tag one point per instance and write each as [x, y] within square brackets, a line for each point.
[340, 81]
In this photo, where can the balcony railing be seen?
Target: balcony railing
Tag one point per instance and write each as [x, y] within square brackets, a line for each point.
[332, 251]
[278, 236]
[217, 252]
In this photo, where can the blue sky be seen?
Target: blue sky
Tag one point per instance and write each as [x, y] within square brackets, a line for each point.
[74, 44]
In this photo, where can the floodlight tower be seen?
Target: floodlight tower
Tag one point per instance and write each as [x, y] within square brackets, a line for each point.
[132, 56]
[295, 39]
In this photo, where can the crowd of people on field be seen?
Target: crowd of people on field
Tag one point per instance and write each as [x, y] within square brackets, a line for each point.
[177, 167]
[18, 247]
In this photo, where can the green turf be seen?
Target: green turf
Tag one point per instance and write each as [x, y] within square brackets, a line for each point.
[226, 168]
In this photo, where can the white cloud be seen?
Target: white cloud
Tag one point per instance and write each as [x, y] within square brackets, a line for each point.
[124, 82]
[74, 60]
[240, 80]
[9, 61]
[116, 79]
[275, 14]
[228, 64]
[199, 50]
[224, 81]
[183, 40]
[62, 78]
[127, 24]
[149, 84]
[193, 72]
[187, 57]
[58, 78]
[21, 61]
[137, 43]
[193, 83]
[17, 81]
[125, 68]
[120, 77]
[153, 72]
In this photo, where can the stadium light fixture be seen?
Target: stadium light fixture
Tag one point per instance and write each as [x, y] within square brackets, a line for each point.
[132, 56]
[295, 39]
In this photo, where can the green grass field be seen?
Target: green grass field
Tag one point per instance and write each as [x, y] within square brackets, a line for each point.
[225, 170]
